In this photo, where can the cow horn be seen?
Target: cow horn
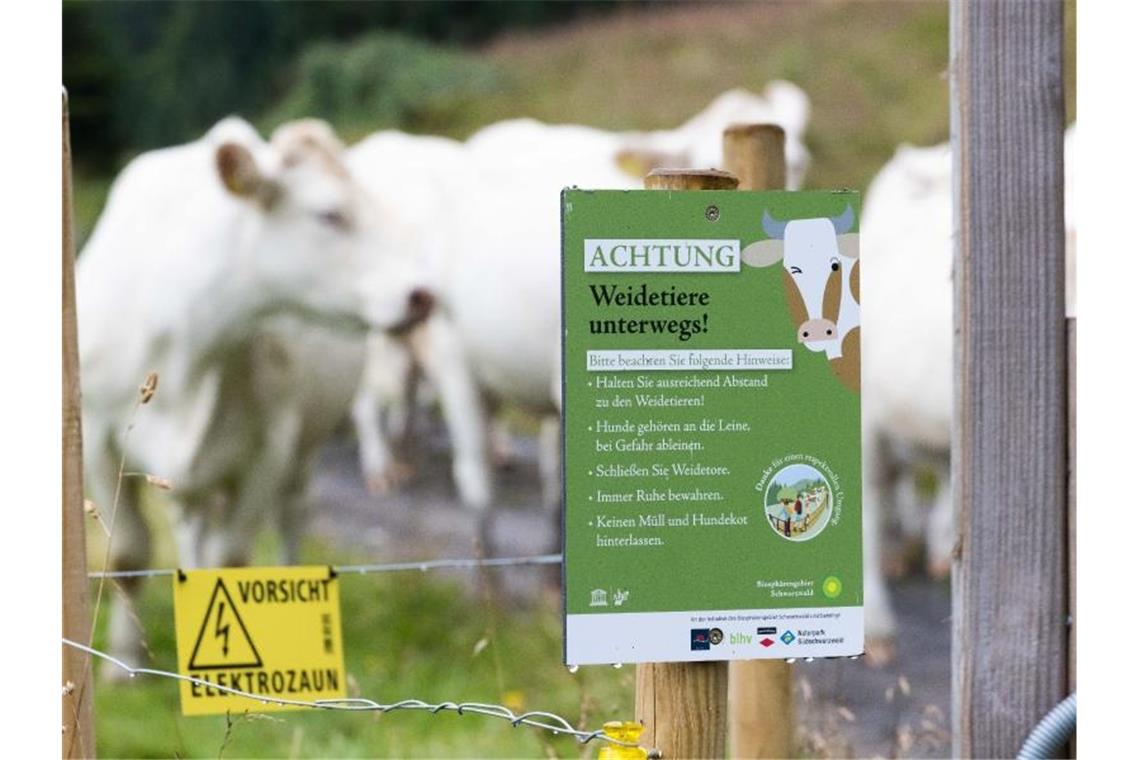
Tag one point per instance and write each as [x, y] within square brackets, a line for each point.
[845, 221]
[772, 228]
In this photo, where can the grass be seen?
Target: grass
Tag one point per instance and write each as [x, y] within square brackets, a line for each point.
[406, 635]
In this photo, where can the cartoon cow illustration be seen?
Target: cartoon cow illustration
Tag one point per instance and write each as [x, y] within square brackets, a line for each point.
[821, 282]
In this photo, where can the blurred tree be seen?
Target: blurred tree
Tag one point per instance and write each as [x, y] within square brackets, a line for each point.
[142, 75]
[383, 81]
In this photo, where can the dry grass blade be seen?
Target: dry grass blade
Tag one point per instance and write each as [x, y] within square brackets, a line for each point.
[147, 389]
[92, 511]
[157, 482]
[846, 714]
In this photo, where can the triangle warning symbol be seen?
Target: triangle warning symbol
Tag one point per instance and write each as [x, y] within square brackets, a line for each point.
[223, 641]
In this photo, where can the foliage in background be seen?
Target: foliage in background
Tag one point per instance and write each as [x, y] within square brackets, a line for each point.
[383, 80]
[144, 75]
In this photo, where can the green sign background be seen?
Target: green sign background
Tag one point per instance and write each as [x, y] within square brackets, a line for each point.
[803, 411]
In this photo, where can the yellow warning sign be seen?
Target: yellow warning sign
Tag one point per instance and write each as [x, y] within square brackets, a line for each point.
[272, 631]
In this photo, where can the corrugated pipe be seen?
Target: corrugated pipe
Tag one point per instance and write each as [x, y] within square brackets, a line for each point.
[1049, 736]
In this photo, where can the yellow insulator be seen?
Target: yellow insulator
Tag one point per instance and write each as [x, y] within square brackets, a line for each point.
[622, 731]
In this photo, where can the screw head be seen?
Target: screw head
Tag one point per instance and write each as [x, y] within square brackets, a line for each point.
[712, 213]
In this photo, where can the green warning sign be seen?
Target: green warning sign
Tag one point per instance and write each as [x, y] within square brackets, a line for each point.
[711, 345]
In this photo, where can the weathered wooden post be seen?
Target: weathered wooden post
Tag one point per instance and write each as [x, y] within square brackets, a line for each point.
[755, 154]
[1009, 440]
[78, 734]
[684, 704]
[760, 691]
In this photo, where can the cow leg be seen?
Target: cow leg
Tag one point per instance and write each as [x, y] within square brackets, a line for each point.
[879, 615]
[904, 518]
[189, 535]
[401, 418]
[550, 469]
[550, 461]
[383, 393]
[293, 511]
[376, 460]
[439, 351]
[258, 494]
[940, 534]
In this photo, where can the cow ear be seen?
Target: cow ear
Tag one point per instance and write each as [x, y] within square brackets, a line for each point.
[849, 245]
[763, 253]
[241, 176]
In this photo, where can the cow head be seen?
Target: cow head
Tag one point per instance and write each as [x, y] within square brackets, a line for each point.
[818, 256]
[317, 241]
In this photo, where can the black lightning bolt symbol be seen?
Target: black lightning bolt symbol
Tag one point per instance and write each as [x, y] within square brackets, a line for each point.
[222, 630]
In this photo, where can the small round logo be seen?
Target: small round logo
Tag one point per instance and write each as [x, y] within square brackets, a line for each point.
[798, 502]
[716, 636]
[832, 587]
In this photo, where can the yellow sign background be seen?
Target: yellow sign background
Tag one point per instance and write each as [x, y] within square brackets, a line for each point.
[272, 631]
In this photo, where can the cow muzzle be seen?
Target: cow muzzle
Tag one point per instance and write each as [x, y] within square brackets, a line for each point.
[815, 330]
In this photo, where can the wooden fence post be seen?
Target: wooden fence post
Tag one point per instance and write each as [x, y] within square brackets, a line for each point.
[761, 707]
[78, 733]
[1009, 437]
[683, 705]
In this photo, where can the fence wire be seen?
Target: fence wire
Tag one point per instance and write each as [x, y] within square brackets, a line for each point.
[392, 567]
[548, 721]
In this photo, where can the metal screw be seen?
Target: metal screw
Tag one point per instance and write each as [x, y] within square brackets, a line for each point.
[712, 213]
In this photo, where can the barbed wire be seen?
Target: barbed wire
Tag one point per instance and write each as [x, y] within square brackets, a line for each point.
[391, 567]
[541, 719]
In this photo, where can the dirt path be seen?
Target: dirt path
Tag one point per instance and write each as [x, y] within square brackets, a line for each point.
[845, 708]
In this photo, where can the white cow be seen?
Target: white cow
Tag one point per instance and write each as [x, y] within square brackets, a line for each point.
[423, 183]
[200, 268]
[556, 155]
[907, 358]
[496, 198]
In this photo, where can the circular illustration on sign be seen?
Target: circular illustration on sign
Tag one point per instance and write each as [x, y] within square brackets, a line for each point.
[798, 502]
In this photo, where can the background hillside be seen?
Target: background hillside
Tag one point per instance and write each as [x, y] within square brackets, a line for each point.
[144, 75]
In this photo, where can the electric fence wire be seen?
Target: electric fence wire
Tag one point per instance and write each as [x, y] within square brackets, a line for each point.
[556, 724]
[392, 567]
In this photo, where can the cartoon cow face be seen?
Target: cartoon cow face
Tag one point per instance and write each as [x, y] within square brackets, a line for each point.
[821, 282]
